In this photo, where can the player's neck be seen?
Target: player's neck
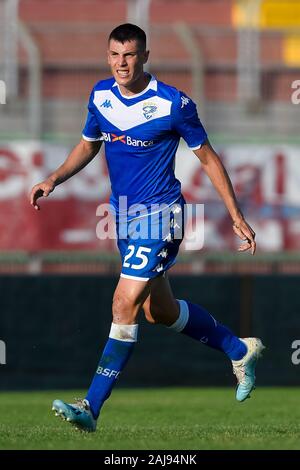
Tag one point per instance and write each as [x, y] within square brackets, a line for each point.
[137, 87]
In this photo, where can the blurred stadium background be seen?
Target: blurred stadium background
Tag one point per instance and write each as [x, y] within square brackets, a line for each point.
[239, 60]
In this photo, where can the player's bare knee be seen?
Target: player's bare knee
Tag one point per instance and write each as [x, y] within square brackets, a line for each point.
[123, 310]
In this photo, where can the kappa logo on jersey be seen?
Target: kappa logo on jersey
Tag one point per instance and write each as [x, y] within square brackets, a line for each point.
[149, 109]
[184, 101]
[106, 104]
[126, 139]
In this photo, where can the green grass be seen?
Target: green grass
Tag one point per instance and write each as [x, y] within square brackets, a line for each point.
[166, 418]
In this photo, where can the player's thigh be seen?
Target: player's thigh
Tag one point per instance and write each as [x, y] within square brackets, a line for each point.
[161, 305]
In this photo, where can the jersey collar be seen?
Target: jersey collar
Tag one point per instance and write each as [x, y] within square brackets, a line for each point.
[152, 85]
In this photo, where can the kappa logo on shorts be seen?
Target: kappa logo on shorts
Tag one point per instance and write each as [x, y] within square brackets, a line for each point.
[163, 253]
[159, 268]
[168, 238]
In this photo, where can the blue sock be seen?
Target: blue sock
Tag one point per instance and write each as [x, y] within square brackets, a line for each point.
[117, 351]
[196, 322]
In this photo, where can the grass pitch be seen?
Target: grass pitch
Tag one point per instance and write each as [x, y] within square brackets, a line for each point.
[155, 419]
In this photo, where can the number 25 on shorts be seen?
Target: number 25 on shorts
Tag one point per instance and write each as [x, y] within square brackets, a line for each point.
[140, 254]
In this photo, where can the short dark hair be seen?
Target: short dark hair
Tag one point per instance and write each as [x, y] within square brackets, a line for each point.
[128, 32]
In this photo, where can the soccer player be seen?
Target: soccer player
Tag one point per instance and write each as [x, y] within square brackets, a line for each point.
[141, 121]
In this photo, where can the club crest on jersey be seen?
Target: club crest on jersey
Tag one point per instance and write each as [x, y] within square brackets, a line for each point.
[149, 109]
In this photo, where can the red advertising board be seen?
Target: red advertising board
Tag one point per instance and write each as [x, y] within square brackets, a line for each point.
[266, 181]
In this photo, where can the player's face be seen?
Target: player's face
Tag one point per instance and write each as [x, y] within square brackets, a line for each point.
[126, 62]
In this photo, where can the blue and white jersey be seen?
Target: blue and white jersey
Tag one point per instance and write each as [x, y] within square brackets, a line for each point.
[141, 135]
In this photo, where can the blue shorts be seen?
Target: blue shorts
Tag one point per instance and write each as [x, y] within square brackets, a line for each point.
[149, 244]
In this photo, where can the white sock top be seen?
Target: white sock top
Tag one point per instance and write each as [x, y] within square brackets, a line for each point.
[124, 332]
[183, 317]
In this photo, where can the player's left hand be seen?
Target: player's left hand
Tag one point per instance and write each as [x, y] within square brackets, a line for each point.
[245, 233]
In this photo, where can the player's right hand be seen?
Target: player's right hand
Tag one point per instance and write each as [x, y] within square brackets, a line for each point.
[243, 230]
[42, 189]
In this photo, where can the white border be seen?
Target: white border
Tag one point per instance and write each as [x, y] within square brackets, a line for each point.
[135, 278]
[91, 139]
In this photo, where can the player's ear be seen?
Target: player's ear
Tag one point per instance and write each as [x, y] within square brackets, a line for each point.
[146, 56]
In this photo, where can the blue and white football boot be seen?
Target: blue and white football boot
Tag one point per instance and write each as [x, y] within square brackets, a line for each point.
[79, 414]
[244, 369]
